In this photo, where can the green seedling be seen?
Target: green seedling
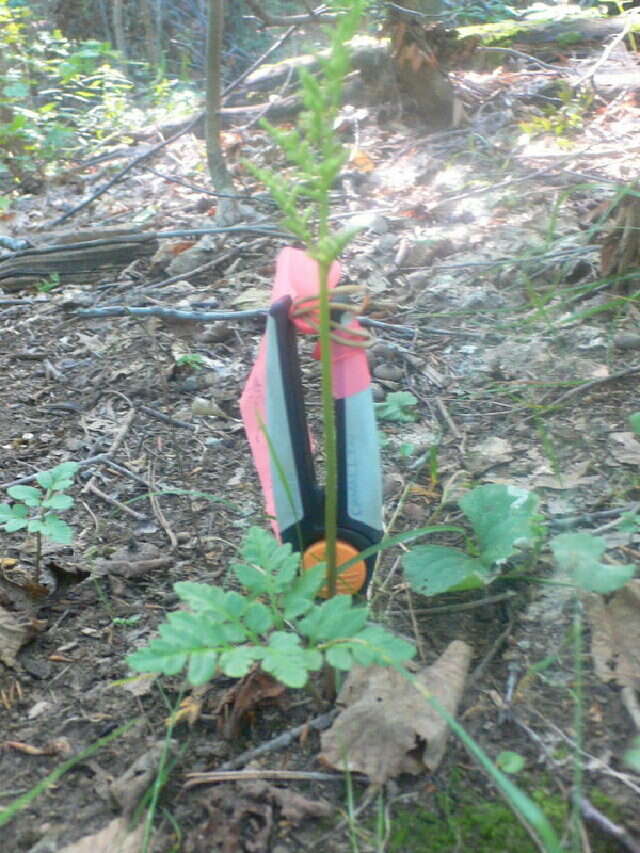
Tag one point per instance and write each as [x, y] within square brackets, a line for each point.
[35, 508]
[275, 622]
[49, 284]
[504, 520]
[399, 407]
[193, 360]
[510, 762]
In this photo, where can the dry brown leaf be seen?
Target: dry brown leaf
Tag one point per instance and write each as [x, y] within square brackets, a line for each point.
[625, 448]
[241, 701]
[127, 789]
[387, 727]
[114, 838]
[490, 452]
[615, 635]
[294, 806]
[14, 633]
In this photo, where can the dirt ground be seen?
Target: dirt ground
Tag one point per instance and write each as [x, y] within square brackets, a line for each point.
[478, 249]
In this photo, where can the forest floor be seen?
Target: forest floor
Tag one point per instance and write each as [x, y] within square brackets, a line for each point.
[480, 248]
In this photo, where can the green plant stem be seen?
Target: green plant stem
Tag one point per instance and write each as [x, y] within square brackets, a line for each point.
[329, 431]
[38, 554]
[578, 722]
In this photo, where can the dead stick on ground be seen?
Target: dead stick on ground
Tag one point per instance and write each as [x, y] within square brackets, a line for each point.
[120, 175]
[585, 386]
[194, 779]
[93, 489]
[323, 721]
[157, 511]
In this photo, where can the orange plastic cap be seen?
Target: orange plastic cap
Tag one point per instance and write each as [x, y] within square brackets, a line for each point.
[348, 582]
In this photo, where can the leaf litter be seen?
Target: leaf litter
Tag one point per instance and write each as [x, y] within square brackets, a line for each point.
[497, 285]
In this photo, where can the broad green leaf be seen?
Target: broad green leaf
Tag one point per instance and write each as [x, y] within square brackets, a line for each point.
[158, 656]
[334, 618]
[634, 421]
[340, 656]
[12, 513]
[238, 661]
[309, 583]
[224, 606]
[254, 579]
[202, 666]
[510, 762]
[258, 617]
[381, 646]
[398, 406]
[59, 478]
[58, 501]
[29, 495]
[434, 569]
[57, 530]
[201, 596]
[287, 661]
[15, 524]
[262, 553]
[579, 554]
[503, 518]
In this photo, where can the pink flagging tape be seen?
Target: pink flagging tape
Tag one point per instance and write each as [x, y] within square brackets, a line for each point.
[297, 277]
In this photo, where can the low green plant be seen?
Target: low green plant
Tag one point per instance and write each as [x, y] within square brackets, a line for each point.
[193, 360]
[504, 520]
[35, 508]
[49, 284]
[399, 406]
[275, 622]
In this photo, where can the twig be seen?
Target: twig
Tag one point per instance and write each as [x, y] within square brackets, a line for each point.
[607, 51]
[608, 827]
[170, 313]
[323, 721]
[91, 487]
[493, 651]
[167, 419]
[259, 61]
[149, 235]
[593, 383]
[120, 175]
[526, 56]
[318, 14]
[279, 775]
[447, 417]
[157, 511]
[91, 460]
[574, 520]
[456, 608]
[115, 444]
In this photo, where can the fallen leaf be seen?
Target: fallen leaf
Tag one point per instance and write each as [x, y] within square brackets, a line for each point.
[625, 448]
[387, 727]
[14, 633]
[615, 635]
[245, 697]
[489, 453]
[114, 837]
[294, 806]
[128, 788]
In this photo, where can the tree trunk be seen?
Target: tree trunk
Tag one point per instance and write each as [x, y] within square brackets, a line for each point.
[227, 212]
[119, 35]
